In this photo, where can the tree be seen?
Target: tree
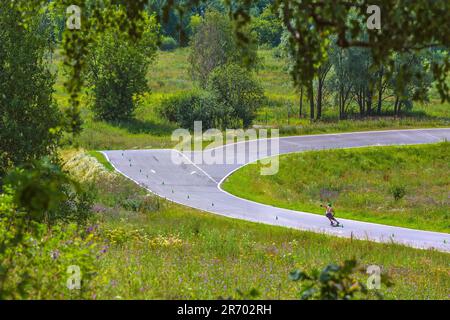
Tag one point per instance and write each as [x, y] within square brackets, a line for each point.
[411, 66]
[404, 28]
[363, 79]
[214, 44]
[323, 71]
[117, 71]
[176, 24]
[341, 80]
[29, 118]
[268, 27]
[235, 88]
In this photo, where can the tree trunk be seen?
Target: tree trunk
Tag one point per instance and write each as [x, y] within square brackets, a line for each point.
[396, 106]
[311, 101]
[369, 103]
[300, 110]
[319, 100]
[380, 92]
[361, 98]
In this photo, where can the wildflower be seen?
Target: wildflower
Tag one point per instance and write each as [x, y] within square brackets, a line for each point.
[104, 249]
[54, 254]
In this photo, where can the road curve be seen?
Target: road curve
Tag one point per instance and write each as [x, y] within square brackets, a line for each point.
[182, 178]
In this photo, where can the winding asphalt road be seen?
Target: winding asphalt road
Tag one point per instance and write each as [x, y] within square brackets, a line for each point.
[182, 178]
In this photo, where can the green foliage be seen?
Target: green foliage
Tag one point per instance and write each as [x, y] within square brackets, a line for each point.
[34, 256]
[29, 117]
[334, 282]
[195, 21]
[416, 69]
[214, 44]
[46, 193]
[309, 23]
[168, 44]
[34, 261]
[356, 83]
[398, 191]
[144, 204]
[413, 31]
[237, 91]
[117, 71]
[169, 76]
[37, 188]
[231, 99]
[268, 28]
[185, 108]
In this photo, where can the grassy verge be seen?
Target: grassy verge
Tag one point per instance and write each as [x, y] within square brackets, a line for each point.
[101, 159]
[402, 186]
[160, 250]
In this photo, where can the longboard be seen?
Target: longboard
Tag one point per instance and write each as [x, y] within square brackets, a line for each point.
[338, 225]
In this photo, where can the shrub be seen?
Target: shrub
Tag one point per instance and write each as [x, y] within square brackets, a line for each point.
[186, 108]
[334, 282]
[35, 256]
[231, 99]
[76, 208]
[168, 44]
[235, 88]
[48, 195]
[398, 191]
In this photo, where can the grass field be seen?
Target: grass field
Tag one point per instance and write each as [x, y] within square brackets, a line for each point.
[159, 250]
[169, 75]
[402, 186]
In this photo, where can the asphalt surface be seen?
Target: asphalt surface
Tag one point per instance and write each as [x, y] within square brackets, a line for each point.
[184, 179]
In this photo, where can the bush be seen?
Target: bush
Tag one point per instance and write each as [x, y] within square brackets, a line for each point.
[168, 44]
[34, 255]
[235, 88]
[143, 204]
[76, 208]
[335, 282]
[398, 191]
[186, 108]
[231, 100]
[48, 195]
